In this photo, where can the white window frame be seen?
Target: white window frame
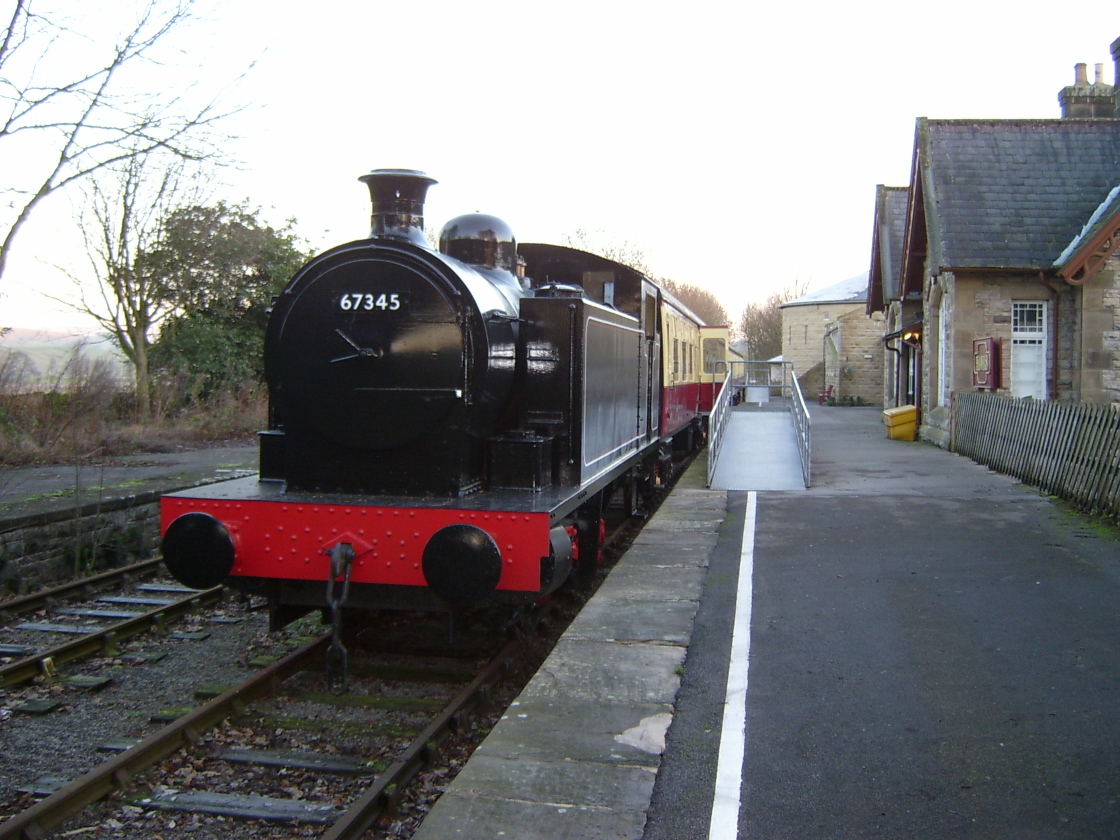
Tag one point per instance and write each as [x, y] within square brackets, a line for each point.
[1030, 338]
[943, 355]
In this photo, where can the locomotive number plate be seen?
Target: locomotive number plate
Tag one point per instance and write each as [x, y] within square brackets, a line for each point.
[363, 302]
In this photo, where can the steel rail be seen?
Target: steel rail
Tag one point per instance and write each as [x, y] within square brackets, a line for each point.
[382, 795]
[103, 640]
[35, 600]
[117, 773]
[36, 822]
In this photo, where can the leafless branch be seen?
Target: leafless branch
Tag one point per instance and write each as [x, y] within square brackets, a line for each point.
[121, 217]
[103, 115]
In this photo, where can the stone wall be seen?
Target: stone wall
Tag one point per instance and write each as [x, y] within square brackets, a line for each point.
[859, 357]
[804, 330]
[980, 306]
[43, 549]
[1082, 365]
[1099, 311]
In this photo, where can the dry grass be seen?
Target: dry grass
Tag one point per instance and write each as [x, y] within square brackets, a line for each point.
[83, 414]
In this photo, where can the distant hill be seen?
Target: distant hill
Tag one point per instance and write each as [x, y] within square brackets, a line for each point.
[49, 351]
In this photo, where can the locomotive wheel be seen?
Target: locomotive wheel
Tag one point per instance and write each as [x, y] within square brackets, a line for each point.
[589, 541]
[646, 484]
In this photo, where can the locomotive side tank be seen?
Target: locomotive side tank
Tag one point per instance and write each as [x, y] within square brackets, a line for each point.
[450, 422]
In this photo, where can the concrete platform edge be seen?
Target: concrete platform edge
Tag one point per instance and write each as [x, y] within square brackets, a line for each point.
[617, 669]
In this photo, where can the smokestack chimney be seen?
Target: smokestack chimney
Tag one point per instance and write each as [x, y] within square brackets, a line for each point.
[1084, 101]
[1116, 79]
[398, 196]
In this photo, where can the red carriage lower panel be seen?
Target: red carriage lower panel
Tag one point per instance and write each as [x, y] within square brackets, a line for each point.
[679, 406]
[278, 539]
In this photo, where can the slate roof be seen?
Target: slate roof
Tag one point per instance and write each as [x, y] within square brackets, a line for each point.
[1101, 216]
[886, 246]
[852, 290]
[1011, 193]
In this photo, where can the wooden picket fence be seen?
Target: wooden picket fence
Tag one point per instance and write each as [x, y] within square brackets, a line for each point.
[1071, 450]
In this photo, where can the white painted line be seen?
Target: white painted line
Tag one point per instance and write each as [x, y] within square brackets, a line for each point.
[733, 741]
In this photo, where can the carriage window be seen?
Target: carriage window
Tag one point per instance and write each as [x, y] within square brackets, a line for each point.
[715, 351]
[676, 357]
[650, 313]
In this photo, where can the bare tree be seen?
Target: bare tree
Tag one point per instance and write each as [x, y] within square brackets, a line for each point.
[703, 302]
[87, 116]
[761, 323]
[605, 245]
[122, 221]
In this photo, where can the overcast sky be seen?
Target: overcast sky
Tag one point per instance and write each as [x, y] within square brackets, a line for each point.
[737, 145]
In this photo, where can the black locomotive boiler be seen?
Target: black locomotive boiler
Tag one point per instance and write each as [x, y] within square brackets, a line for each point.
[445, 426]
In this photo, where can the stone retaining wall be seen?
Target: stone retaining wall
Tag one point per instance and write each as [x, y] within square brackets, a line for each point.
[43, 549]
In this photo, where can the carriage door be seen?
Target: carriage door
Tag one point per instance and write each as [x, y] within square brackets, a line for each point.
[651, 365]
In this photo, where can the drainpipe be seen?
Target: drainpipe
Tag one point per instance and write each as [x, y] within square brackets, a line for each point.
[824, 361]
[1053, 389]
[829, 331]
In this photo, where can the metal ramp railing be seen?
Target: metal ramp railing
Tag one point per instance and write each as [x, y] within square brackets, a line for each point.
[757, 382]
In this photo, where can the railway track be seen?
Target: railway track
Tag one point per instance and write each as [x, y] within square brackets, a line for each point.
[278, 755]
[89, 617]
[272, 723]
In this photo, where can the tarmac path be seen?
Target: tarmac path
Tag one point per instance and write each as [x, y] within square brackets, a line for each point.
[935, 652]
[29, 490]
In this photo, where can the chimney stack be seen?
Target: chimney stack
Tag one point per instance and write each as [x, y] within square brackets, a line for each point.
[1084, 101]
[397, 196]
[1116, 79]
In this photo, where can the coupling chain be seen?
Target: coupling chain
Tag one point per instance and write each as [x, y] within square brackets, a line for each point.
[342, 560]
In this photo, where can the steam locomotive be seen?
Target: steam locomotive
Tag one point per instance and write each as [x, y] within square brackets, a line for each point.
[446, 427]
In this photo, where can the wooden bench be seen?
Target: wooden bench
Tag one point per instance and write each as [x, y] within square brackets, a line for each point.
[824, 395]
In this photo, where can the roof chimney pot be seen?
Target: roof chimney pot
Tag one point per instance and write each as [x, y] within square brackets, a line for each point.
[1099, 80]
[1084, 101]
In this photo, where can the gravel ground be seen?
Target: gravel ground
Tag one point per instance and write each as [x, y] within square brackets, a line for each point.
[65, 742]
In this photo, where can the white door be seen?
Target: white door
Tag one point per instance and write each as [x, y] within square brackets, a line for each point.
[1028, 349]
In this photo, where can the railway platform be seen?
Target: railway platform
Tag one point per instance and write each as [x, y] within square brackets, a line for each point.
[914, 647]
